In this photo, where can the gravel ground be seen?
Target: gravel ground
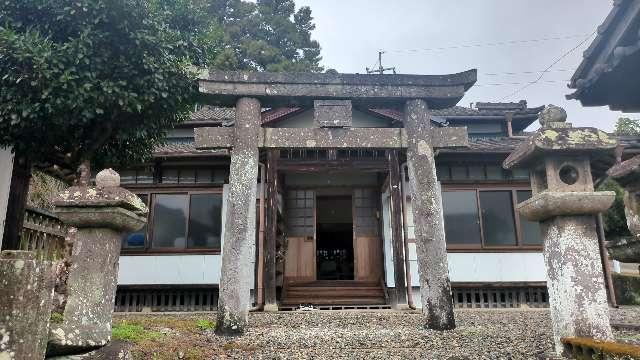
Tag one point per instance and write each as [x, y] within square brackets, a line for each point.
[480, 334]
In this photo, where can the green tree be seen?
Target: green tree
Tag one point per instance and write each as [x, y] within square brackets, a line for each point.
[83, 80]
[627, 126]
[615, 221]
[268, 35]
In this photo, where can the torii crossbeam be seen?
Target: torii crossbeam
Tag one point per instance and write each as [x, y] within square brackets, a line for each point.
[332, 96]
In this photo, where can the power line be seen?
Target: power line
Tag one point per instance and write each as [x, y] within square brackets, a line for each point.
[520, 83]
[550, 66]
[526, 72]
[487, 44]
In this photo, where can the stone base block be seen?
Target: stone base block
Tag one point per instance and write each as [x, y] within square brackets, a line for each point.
[270, 308]
[26, 295]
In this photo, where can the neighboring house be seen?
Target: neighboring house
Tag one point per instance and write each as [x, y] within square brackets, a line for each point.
[334, 209]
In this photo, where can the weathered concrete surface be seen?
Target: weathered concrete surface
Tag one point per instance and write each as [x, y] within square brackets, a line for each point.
[332, 113]
[101, 215]
[435, 287]
[233, 303]
[26, 293]
[577, 295]
[301, 89]
[550, 204]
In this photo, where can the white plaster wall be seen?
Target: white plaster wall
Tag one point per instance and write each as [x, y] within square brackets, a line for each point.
[489, 267]
[6, 166]
[178, 269]
[169, 270]
[386, 233]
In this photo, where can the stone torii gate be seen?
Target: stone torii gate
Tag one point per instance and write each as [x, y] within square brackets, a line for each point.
[332, 96]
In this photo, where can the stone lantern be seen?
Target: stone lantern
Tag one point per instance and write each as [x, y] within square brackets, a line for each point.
[564, 202]
[102, 215]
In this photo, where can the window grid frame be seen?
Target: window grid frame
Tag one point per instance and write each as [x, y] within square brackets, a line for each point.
[148, 249]
[519, 246]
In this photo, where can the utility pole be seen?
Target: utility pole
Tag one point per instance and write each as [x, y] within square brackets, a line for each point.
[381, 69]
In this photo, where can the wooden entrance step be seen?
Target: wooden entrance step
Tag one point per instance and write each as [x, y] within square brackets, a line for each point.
[333, 292]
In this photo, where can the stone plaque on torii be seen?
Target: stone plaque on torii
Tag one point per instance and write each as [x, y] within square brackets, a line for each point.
[332, 96]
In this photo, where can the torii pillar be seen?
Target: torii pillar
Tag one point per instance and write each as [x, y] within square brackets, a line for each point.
[332, 96]
[426, 197]
[240, 223]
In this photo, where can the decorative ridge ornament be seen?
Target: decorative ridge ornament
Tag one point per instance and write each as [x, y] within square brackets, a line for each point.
[553, 117]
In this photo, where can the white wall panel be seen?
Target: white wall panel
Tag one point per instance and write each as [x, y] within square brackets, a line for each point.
[386, 234]
[489, 267]
[169, 270]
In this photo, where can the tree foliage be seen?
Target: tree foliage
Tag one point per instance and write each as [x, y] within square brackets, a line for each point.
[105, 79]
[268, 35]
[627, 126]
[100, 79]
[615, 221]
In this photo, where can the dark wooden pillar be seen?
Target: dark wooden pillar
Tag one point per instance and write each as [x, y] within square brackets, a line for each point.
[18, 193]
[397, 240]
[270, 301]
[240, 223]
[426, 200]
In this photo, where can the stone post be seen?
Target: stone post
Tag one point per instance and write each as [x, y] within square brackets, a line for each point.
[435, 287]
[26, 293]
[564, 202]
[240, 225]
[271, 235]
[627, 174]
[101, 215]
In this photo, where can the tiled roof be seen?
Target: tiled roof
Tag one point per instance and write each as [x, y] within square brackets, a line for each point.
[481, 109]
[213, 114]
[607, 67]
[185, 149]
[489, 145]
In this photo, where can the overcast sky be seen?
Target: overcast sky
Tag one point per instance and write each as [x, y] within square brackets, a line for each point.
[352, 31]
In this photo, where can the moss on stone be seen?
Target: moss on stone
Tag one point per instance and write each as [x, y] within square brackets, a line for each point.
[603, 349]
[56, 318]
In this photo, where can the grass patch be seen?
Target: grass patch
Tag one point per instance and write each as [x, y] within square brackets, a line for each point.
[205, 324]
[133, 332]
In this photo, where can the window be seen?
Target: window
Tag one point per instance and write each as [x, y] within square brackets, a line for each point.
[530, 229]
[136, 240]
[497, 218]
[478, 172]
[136, 176]
[182, 221]
[461, 217]
[194, 175]
[486, 218]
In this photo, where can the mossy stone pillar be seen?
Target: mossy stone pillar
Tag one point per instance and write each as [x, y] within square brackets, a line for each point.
[240, 223]
[564, 202]
[26, 294]
[102, 215]
[426, 197]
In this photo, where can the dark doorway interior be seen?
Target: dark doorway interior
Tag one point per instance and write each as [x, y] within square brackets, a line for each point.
[334, 238]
